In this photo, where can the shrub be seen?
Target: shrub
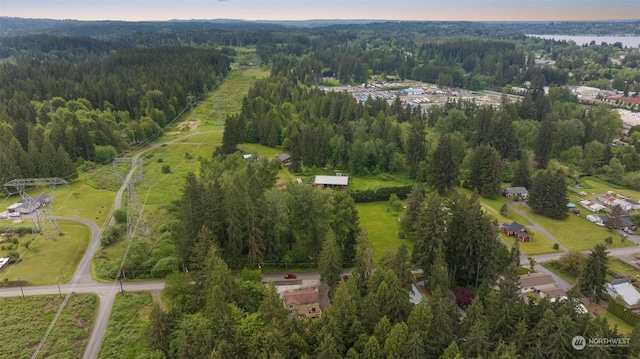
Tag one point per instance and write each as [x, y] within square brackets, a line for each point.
[165, 266]
[609, 240]
[166, 169]
[556, 246]
[464, 296]
[160, 160]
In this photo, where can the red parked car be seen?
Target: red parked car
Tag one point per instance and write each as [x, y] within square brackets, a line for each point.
[290, 276]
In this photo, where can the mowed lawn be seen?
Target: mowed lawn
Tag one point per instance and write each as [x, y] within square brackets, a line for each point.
[24, 322]
[382, 227]
[48, 261]
[578, 234]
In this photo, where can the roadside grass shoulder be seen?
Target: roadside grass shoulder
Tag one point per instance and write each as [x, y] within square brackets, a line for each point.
[126, 334]
[24, 321]
[48, 261]
[556, 268]
[382, 227]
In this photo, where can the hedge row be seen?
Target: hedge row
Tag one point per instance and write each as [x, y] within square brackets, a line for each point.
[379, 194]
[623, 313]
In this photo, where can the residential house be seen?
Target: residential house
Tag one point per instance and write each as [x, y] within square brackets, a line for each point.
[518, 193]
[625, 221]
[339, 182]
[515, 229]
[285, 158]
[622, 288]
[540, 284]
[634, 205]
[302, 303]
[607, 199]
[593, 207]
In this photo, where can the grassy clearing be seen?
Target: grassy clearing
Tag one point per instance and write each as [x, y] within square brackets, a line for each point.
[47, 261]
[126, 334]
[82, 201]
[595, 185]
[616, 266]
[576, 233]
[384, 180]
[160, 188]
[260, 150]
[623, 328]
[556, 268]
[539, 244]
[24, 321]
[382, 227]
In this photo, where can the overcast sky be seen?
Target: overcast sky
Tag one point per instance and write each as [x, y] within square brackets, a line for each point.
[480, 10]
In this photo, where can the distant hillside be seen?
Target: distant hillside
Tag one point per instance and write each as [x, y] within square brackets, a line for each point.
[112, 30]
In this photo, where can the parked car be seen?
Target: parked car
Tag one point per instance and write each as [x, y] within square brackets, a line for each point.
[15, 214]
[290, 276]
[345, 276]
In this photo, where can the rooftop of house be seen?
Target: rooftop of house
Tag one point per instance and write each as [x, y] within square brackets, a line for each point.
[301, 296]
[514, 227]
[535, 280]
[516, 190]
[283, 156]
[626, 290]
[332, 180]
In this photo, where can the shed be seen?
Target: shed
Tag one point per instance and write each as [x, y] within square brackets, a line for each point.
[339, 182]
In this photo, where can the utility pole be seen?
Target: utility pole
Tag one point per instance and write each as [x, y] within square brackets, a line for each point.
[59, 291]
[120, 278]
[21, 290]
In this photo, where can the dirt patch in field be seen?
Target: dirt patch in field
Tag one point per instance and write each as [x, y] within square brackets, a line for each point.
[281, 184]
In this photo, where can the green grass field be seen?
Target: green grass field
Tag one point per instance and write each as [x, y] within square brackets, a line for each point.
[126, 334]
[623, 328]
[384, 180]
[576, 233]
[48, 261]
[616, 266]
[24, 322]
[595, 185]
[382, 227]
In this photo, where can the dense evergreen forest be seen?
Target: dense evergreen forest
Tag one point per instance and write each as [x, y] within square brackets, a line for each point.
[73, 94]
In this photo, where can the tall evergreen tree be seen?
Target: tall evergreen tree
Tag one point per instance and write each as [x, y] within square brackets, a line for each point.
[544, 142]
[415, 202]
[444, 165]
[430, 232]
[548, 195]
[416, 145]
[330, 262]
[486, 171]
[592, 278]
[522, 172]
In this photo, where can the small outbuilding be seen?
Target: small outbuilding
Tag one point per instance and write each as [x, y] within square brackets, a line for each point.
[285, 158]
[338, 182]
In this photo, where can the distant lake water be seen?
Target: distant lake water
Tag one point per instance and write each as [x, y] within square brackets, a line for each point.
[627, 41]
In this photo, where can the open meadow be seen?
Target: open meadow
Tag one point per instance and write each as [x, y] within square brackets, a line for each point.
[126, 334]
[382, 226]
[45, 260]
[24, 322]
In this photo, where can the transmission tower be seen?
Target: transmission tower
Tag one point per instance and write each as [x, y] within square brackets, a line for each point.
[44, 213]
[136, 225]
